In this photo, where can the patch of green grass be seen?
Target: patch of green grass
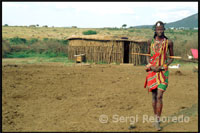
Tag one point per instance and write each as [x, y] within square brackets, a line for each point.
[131, 30]
[89, 61]
[25, 54]
[113, 28]
[33, 40]
[183, 63]
[59, 59]
[101, 62]
[17, 40]
[89, 32]
[36, 60]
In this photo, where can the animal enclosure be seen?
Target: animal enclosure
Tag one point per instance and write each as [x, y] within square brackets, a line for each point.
[108, 49]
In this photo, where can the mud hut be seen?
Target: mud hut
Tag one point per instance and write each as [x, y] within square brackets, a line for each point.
[108, 49]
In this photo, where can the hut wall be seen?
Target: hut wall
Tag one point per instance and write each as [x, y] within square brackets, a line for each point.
[106, 51]
[137, 48]
[96, 51]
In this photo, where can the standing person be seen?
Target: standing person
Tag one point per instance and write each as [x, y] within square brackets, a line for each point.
[157, 68]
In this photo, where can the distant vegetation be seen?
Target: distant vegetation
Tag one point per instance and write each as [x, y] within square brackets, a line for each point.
[20, 47]
[89, 32]
[30, 41]
[124, 25]
[188, 22]
[44, 41]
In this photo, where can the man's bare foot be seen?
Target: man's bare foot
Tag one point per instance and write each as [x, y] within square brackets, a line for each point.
[157, 126]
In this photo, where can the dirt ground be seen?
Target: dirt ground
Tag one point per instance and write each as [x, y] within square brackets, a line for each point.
[60, 97]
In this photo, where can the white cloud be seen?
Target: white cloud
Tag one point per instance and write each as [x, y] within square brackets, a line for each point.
[166, 6]
[100, 8]
[171, 16]
[14, 5]
[107, 7]
[101, 13]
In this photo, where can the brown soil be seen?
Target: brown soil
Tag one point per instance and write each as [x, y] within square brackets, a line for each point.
[178, 73]
[57, 97]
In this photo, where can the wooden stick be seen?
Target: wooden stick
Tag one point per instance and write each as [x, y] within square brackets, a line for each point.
[174, 57]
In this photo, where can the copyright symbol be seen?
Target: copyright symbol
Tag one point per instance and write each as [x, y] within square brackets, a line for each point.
[103, 118]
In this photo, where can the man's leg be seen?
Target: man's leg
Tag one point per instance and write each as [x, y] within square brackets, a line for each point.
[154, 103]
[154, 100]
[159, 104]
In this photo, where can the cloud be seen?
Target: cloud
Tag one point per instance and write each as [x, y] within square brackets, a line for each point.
[14, 5]
[166, 6]
[101, 8]
[99, 13]
[171, 16]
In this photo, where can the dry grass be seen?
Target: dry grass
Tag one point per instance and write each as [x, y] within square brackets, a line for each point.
[183, 40]
[62, 33]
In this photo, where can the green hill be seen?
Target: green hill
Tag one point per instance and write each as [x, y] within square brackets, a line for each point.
[188, 22]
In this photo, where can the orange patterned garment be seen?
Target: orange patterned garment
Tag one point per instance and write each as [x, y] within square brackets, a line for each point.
[158, 58]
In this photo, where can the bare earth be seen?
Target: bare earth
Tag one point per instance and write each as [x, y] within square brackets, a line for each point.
[60, 97]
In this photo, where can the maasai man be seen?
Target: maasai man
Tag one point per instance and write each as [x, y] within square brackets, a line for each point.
[157, 68]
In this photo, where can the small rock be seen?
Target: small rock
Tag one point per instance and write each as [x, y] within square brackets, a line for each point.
[132, 127]
[58, 98]
[178, 73]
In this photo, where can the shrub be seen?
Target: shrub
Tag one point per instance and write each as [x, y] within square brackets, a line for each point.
[17, 40]
[33, 40]
[32, 25]
[131, 30]
[5, 48]
[45, 39]
[112, 28]
[63, 42]
[89, 32]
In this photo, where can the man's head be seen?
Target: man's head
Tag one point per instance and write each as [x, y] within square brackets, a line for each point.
[159, 28]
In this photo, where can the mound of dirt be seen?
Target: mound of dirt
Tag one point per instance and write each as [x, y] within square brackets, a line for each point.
[178, 73]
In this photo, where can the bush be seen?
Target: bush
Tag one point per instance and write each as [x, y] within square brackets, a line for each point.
[131, 30]
[45, 39]
[32, 25]
[44, 48]
[89, 32]
[63, 42]
[33, 40]
[112, 28]
[17, 40]
[5, 48]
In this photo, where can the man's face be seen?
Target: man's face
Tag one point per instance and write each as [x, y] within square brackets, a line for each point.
[159, 31]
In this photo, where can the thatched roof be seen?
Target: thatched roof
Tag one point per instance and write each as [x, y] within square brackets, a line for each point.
[109, 38]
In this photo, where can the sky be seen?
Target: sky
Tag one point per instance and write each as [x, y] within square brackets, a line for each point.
[94, 14]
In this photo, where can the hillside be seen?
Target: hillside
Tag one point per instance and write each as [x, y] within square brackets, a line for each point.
[188, 22]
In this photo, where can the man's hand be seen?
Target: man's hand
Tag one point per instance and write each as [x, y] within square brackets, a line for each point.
[156, 69]
[148, 65]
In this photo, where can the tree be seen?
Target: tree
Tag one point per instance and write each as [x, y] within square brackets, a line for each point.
[32, 25]
[124, 25]
[45, 26]
[5, 24]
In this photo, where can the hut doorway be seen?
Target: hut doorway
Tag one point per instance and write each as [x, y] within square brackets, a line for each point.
[126, 51]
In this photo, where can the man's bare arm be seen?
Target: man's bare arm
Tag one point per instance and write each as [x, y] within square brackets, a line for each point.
[148, 50]
[171, 52]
